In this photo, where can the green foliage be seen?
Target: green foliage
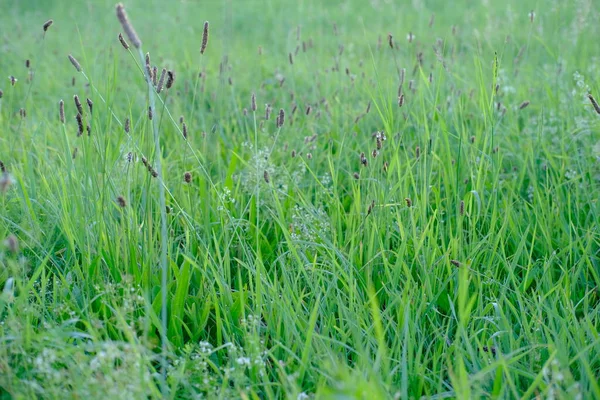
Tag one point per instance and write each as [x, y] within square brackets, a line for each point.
[445, 248]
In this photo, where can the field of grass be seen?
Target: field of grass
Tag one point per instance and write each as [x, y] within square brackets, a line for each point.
[423, 222]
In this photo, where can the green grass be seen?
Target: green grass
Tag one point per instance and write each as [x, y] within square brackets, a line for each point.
[463, 261]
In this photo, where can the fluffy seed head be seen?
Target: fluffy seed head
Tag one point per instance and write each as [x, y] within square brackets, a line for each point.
[75, 63]
[48, 24]
[127, 27]
[204, 38]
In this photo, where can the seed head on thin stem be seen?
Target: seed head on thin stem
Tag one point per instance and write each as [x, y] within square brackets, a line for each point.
[61, 111]
[266, 176]
[187, 177]
[127, 125]
[594, 103]
[123, 42]
[161, 80]
[48, 24]
[184, 130]
[150, 113]
[79, 119]
[75, 63]
[90, 104]
[280, 118]
[524, 104]
[204, 38]
[390, 40]
[253, 102]
[127, 27]
[170, 79]
[78, 104]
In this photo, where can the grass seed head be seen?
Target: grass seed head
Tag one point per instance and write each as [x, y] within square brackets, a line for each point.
[356, 175]
[127, 27]
[594, 103]
[123, 42]
[204, 38]
[408, 202]
[266, 176]
[391, 40]
[280, 118]
[47, 24]
[78, 104]
[79, 119]
[184, 130]
[524, 104]
[161, 80]
[121, 202]
[61, 111]
[27, 63]
[127, 125]
[75, 63]
[187, 177]
[170, 79]
[2, 167]
[90, 104]
[253, 102]
[150, 113]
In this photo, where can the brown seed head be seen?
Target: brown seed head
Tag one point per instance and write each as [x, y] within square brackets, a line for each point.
[594, 103]
[356, 175]
[204, 38]
[79, 119]
[253, 102]
[524, 104]
[390, 40]
[291, 58]
[363, 159]
[48, 24]
[75, 63]
[456, 263]
[61, 111]
[280, 118]
[408, 202]
[27, 63]
[90, 104]
[2, 167]
[184, 130]
[161, 80]
[127, 27]
[266, 176]
[170, 79]
[123, 42]
[127, 125]
[461, 208]
[150, 113]
[187, 177]
[121, 202]
[78, 104]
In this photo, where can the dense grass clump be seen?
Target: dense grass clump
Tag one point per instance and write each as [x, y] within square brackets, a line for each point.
[307, 200]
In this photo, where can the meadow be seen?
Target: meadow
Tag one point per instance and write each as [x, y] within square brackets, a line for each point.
[300, 199]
